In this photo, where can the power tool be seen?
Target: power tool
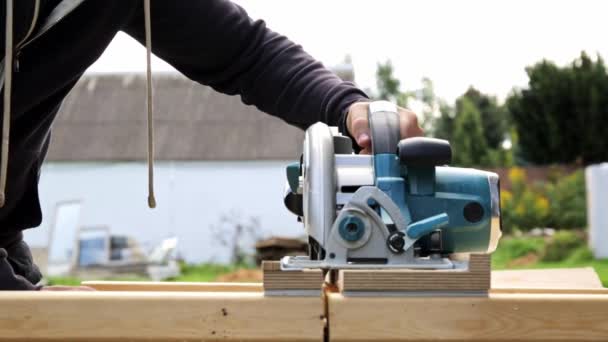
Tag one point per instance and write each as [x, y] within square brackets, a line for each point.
[399, 207]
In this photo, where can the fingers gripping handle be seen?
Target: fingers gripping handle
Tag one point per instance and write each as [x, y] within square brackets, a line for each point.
[384, 127]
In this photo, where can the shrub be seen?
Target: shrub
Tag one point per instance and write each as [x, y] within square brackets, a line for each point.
[516, 248]
[525, 207]
[567, 202]
[580, 255]
[558, 204]
[561, 246]
[510, 249]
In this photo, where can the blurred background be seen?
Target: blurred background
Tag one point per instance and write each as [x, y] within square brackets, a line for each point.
[519, 88]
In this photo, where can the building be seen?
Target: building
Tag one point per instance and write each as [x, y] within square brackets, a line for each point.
[219, 165]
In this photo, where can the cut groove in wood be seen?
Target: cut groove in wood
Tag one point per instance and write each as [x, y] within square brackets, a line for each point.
[475, 279]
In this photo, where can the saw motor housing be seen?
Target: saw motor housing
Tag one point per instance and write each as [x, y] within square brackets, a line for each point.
[399, 207]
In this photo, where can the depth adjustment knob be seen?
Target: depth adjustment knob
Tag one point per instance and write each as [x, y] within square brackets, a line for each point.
[396, 242]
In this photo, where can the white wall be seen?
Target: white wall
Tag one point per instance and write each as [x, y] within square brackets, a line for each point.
[596, 177]
[191, 197]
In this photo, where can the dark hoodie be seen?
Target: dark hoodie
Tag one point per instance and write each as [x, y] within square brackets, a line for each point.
[212, 42]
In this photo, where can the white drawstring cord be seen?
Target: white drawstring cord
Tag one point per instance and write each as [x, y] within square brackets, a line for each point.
[6, 112]
[148, 29]
[32, 25]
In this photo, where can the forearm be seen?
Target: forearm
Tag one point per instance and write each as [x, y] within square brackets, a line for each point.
[215, 43]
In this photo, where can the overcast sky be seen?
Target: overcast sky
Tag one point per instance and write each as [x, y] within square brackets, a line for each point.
[456, 43]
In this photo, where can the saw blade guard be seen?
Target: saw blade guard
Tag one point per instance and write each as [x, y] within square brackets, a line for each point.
[318, 182]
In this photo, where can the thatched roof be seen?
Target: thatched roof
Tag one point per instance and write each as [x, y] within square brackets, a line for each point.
[104, 118]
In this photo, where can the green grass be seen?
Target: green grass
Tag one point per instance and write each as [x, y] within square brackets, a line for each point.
[511, 248]
[189, 273]
[69, 281]
[203, 272]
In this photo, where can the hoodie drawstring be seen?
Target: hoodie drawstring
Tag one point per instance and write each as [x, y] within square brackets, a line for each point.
[6, 111]
[7, 74]
[148, 29]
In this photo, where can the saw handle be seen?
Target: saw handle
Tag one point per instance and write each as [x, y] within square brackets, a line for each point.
[384, 127]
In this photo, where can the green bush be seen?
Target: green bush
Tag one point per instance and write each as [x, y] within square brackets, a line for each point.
[580, 255]
[559, 203]
[524, 207]
[512, 248]
[567, 202]
[520, 247]
[561, 246]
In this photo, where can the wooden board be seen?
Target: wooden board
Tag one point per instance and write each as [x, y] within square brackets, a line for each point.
[476, 278]
[497, 317]
[519, 309]
[172, 286]
[277, 280]
[158, 316]
[545, 279]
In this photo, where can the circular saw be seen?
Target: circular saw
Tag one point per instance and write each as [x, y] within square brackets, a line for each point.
[399, 207]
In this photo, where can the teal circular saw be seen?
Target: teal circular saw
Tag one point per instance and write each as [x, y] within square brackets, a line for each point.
[400, 207]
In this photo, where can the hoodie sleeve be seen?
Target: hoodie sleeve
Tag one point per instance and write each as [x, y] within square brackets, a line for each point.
[17, 268]
[8, 279]
[215, 42]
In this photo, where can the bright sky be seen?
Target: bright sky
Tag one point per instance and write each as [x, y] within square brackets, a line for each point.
[456, 43]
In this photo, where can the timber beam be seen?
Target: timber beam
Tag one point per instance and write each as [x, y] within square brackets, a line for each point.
[497, 317]
[521, 306]
[158, 316]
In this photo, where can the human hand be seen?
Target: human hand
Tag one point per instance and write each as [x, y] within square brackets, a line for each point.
[357, 124]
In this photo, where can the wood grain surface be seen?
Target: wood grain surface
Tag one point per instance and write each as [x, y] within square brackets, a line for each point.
[275, 279]
[158, 316]
[476, 278]
[497, 317]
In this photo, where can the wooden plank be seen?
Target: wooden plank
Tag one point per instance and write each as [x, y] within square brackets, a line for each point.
[497, 317]
[277, 280]
[569, 279]
[172, 286]
[158, 316]
[476, 278]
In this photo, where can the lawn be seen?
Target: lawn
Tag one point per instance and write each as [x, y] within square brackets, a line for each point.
[522, 253]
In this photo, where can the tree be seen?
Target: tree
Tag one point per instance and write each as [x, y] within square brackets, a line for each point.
[388, 85]
[493, 116]
[389, 89]
[431, 104]
[562, 114]
[479, 111]
[468, 142]
[238, 234]
[443, 127]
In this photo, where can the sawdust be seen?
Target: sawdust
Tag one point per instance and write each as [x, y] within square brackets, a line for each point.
[241, 276]
[525, 260]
